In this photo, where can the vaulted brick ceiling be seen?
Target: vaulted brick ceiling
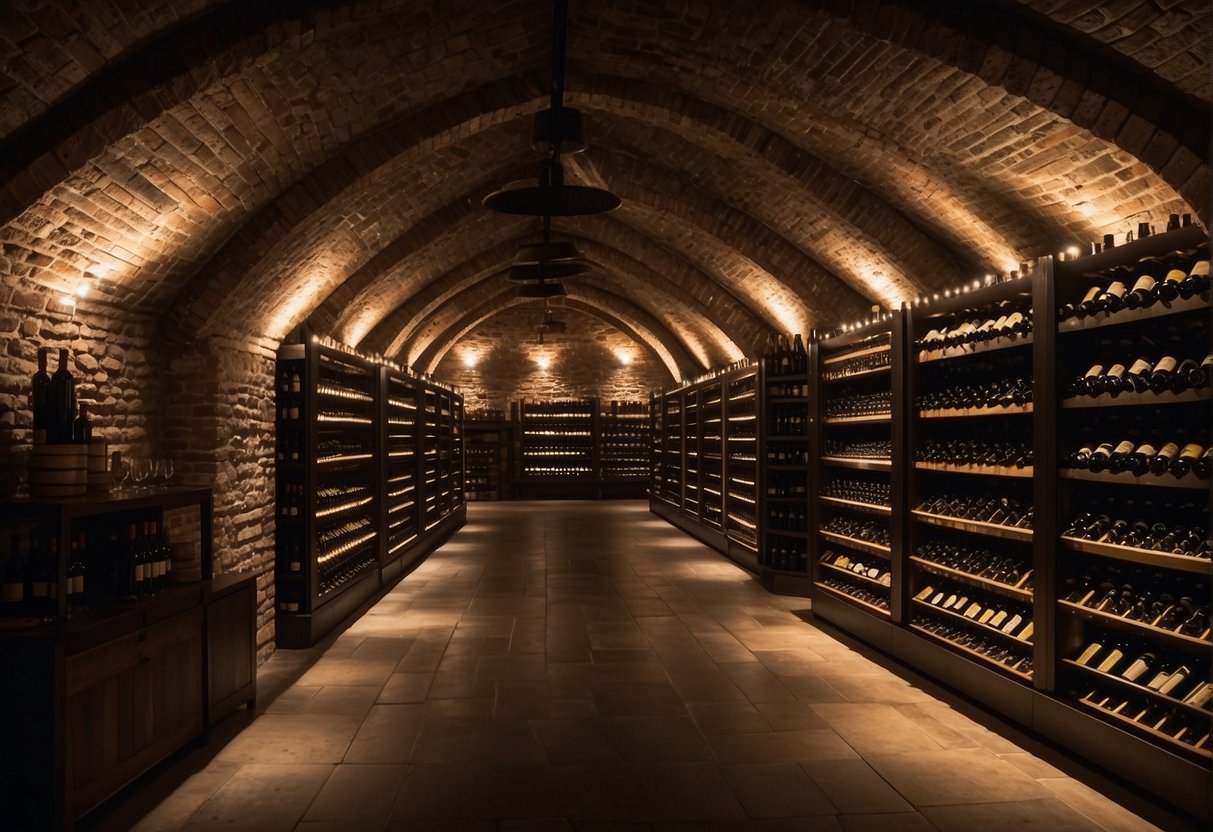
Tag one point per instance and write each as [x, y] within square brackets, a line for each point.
[243, 167]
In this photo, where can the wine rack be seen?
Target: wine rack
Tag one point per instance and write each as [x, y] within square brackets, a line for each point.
[977, 530]
[370, 467]
[692, 496]
[487, 450]
[672, 463]
[400, 489]
[741, 459]
[624, 442]
[1133, 580]
[785, 471]
[971, 495]
[857, 447]
[584, 450]
[711, 455]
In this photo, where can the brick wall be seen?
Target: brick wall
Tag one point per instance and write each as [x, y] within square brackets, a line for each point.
[584, 361]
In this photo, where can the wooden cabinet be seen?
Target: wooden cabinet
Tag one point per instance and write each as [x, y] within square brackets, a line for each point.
[128, 703]
[231, 645]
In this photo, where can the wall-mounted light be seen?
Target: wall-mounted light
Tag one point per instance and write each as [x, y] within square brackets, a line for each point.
[470, 359]
[544, 362]
[624, 356]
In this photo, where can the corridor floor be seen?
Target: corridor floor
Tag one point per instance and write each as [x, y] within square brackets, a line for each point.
[585, 666]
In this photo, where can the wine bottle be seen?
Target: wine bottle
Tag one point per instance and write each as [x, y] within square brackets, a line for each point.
[1160, 375]
[82, 428]
[1101, 456]
[1188, 455]
[1088, 384]
[1175, 271]
[1142, 294]
[1202, 464]
[1069, 310]
[1137, 376]
[1113, 381]
[61, 402]
[77, 574]
[138, 560]
[1141, 459]
[1113, 298]
[1163, 459]
[1197, 281]
[1187, 375]
[39, 393]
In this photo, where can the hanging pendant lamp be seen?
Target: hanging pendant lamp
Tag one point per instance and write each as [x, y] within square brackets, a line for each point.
[541, 290]
[557, 130]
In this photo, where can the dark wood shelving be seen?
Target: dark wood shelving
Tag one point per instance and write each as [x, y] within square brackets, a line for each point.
[860, 374]
[1004, 342]
[859, 602]
[1127, 478]
[974, 526]
[976, 470]
[1009, 590]
[864, 578]
[1145, 557]
[1161, 309]
[1134, 689]
[856, 543]
[858, 463]
[1203, 394]
[972, 622]
[860, 353]
[1170, 638]
[1205, 753]
[876, 418]
[969, 412]
[871, 507]
[971, 653]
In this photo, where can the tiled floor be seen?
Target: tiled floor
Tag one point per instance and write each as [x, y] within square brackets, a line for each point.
[585, 666]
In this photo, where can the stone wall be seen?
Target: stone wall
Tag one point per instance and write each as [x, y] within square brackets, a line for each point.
[584, 361]
[209, 407]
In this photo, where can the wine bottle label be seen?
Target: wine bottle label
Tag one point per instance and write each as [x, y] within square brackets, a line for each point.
[1014, 318]
[78, 584]
[1146, 450]
[1012, 623]
[38, 589]
[1174, 681]
[951, 600]
[1165, 364]
[973, 610]
[1116, 371]
[1175, 275]
[1089, 653]
[1200, 269]
[1138, 667]
[1096, 370]
[1125, 447]
[12, 592]
[1192, 451]
[1140, 366]
[986, 616]
[1201, 696]
[1091, 294]
[1207, 363]
[1117, 289]
[1168, 450]
[1144, 284]
[1026, 634]
[140, 573]
[1110, 661]
[1104, 449]
[1000, 323]
[1158, 681]
[999, 618]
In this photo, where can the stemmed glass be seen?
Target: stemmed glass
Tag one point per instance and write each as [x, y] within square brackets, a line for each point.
[167, 471]
[121, 474]
[140, 470]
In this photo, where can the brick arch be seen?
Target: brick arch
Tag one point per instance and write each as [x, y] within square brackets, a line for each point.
[760, 73]
[671, 312]
[677, 285]
[425, 349]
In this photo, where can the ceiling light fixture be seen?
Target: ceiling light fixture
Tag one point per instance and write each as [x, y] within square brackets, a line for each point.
[556, 130]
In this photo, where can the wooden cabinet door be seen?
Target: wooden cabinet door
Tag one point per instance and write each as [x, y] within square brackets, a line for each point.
[231, 651]
[129, 703]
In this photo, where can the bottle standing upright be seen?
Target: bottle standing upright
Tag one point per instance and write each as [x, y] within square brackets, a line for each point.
[39, 391]
[61, 402]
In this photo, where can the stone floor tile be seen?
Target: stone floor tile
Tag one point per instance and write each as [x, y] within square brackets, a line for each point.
[454, 741]
[357, 794]
[387, 735]
[899, 822]
[405, 687]
[729, 718]
[293, 738]
[781, 746]
[637, 699]
[657, 739]
[757, 683]
[1047, 813]
[651, 794]
[776, 790]
[260, 798]
[354, 700]
[854, 787]
[576, 741]
[875, 729]
[1096, 807]
[965, 775]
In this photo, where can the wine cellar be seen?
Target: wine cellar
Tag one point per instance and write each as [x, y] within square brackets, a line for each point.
[606, 415]
[1009, 492]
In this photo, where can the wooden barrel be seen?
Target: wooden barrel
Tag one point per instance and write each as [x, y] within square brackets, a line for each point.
[59, 470]
[99, 480]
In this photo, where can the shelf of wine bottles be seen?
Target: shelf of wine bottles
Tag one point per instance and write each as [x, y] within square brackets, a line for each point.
[624, 441]
[971, 496]
[785, 527]
[400, 465]
[692, 498]
[1133, 596]
[487, 452]
[853, 501]
[741, 459]
[369, 458]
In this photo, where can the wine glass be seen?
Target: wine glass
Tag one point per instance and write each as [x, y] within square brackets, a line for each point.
[156, 472]
[122, 473]
[167, 471]
[139, 472]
